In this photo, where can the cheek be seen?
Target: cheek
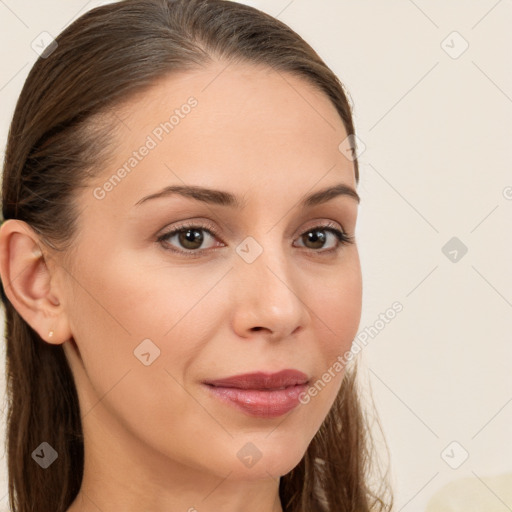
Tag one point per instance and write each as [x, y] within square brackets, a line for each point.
[149, 321]
[138, 299]
[117, 388]
[336, 311]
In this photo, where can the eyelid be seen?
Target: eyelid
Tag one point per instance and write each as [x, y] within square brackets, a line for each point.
[322, 224]
[210, 226]
[200, 223]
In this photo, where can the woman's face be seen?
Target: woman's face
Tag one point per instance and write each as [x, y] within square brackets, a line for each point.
[255, 285]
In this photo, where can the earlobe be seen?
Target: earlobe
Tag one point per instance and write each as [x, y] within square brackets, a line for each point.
[28, 283]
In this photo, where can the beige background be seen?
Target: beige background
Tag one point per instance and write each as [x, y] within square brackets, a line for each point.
[436, 122]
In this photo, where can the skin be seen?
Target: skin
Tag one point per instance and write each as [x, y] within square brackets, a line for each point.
[154, 438]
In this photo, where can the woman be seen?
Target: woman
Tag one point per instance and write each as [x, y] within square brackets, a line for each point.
[180, 273]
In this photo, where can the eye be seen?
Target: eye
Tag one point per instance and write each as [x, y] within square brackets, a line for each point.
[317, 237]
[190, 239]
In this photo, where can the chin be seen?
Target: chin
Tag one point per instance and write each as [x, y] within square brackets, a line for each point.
[258, 457]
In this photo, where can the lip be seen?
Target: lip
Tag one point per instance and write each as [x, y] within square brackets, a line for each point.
[261, 394]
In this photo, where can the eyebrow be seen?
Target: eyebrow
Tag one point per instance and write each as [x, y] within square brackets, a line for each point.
[222, 198]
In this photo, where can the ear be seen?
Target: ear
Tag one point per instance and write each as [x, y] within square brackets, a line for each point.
[28, 281]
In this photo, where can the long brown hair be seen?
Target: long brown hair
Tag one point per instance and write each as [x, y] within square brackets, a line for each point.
[56, 141]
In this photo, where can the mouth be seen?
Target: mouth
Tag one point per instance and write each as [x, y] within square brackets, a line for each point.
[261, 394]
[262, 381]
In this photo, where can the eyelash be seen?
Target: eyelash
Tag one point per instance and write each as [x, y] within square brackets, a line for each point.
[343, 238]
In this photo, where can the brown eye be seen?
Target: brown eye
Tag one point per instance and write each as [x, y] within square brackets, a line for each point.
[315, 237]
[190, 238]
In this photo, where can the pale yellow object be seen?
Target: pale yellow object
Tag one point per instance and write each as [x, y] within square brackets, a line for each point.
[488, 494]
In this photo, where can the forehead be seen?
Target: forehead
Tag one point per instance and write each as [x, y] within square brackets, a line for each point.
[236, 99]
[229, 124]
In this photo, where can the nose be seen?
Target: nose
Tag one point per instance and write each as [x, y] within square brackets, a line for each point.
[268, 297]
